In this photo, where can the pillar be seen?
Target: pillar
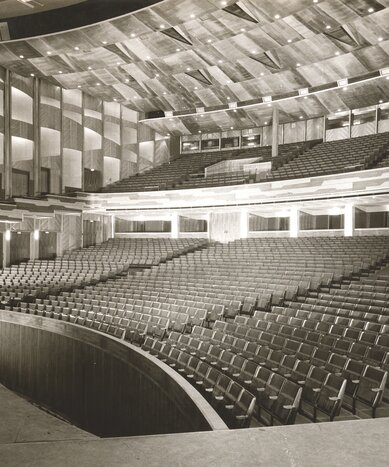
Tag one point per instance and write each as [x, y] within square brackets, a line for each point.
[324, 128]
[244, 224]
[175, 221]
[349, 220]
[59, 238]
[294, 222]
[37, 138]
[7, 135]
[350, 122]
[34, 241]
[7, 246]
[275, 131]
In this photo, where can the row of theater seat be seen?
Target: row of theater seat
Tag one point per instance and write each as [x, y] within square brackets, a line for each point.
[182, 172]
[154, 304]
[295, 160]
[336, 157]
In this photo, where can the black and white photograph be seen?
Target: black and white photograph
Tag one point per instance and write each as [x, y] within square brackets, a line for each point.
[194, 233]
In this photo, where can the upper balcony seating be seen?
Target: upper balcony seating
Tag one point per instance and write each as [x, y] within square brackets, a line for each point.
[184, 172]
[333, 157]
[295, 160]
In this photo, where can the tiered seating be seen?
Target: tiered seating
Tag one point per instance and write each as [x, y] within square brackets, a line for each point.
[220, 179]
[88, 266]
[283, 326]
[335, 157]
[136, 252]
[49, 276]
[187, 171]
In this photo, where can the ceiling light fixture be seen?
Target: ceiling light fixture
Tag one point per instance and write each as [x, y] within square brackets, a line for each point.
[21, 56]
[277, 16]
[76, 48]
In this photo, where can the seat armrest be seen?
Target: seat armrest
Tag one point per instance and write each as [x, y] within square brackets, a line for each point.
[288, 407]
[355, 381]
[376, 389]
[334, 398]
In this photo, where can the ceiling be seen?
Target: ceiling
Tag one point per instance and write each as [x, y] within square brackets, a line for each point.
[179, 55]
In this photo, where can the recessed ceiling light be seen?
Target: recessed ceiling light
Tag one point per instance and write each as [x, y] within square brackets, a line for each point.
[118, 63]
[115, 99]
[157, 75]
[337, 52]
[234, 110]
[178, 50]
[231, 128]
[105, 42]
[202, 115]
[98, 84]
[228, 98]
[196, 88]
[381, 101]
[192, 15]
[315, 1]
[300, 117]
[188, 68]
[339, 110]
[345, 88]
[60, 72]
[209, 40]
[76, 48]
[262, 73]
[328, 26]
[371, 10]
[79, 86]
[133, 34]
[21, 56]
[49, 52]
[265, 123]
[289, 40]
[220, 61]
[224, 3]
[162, 26]
[269, 105]
[32, 74]
[277, 16]
[305, 97]
[199, 131]
[148, 57]
[164, 92]
[242, 29]
[298, 64]
[229, 81]
[253, 51]
[380, 39]
[89, 67]
[127, 80]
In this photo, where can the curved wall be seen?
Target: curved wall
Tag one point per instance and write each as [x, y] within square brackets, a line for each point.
[98, 383]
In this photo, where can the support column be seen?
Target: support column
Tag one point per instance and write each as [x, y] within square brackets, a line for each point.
[175, 220]
[59, 238]
[113, 220]
[7, 246]
[244, 224]
[377, 118]
[350, 122]
[349, 220]
[34, 241]
[275, 131]
[37, 138]
[324, 128]
[294, 222]
[7, 135]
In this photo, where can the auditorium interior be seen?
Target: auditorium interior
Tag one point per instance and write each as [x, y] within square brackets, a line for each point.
[194, 233]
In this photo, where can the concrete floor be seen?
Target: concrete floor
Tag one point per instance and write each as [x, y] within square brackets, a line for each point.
[31, 437]
[23, 422]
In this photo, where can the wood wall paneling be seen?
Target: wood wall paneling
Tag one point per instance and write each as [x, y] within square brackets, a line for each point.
[96, 382]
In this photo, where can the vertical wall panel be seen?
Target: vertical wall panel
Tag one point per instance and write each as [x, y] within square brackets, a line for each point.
[22, 135]
[2, 77]
[50, 135]
[72, 139]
